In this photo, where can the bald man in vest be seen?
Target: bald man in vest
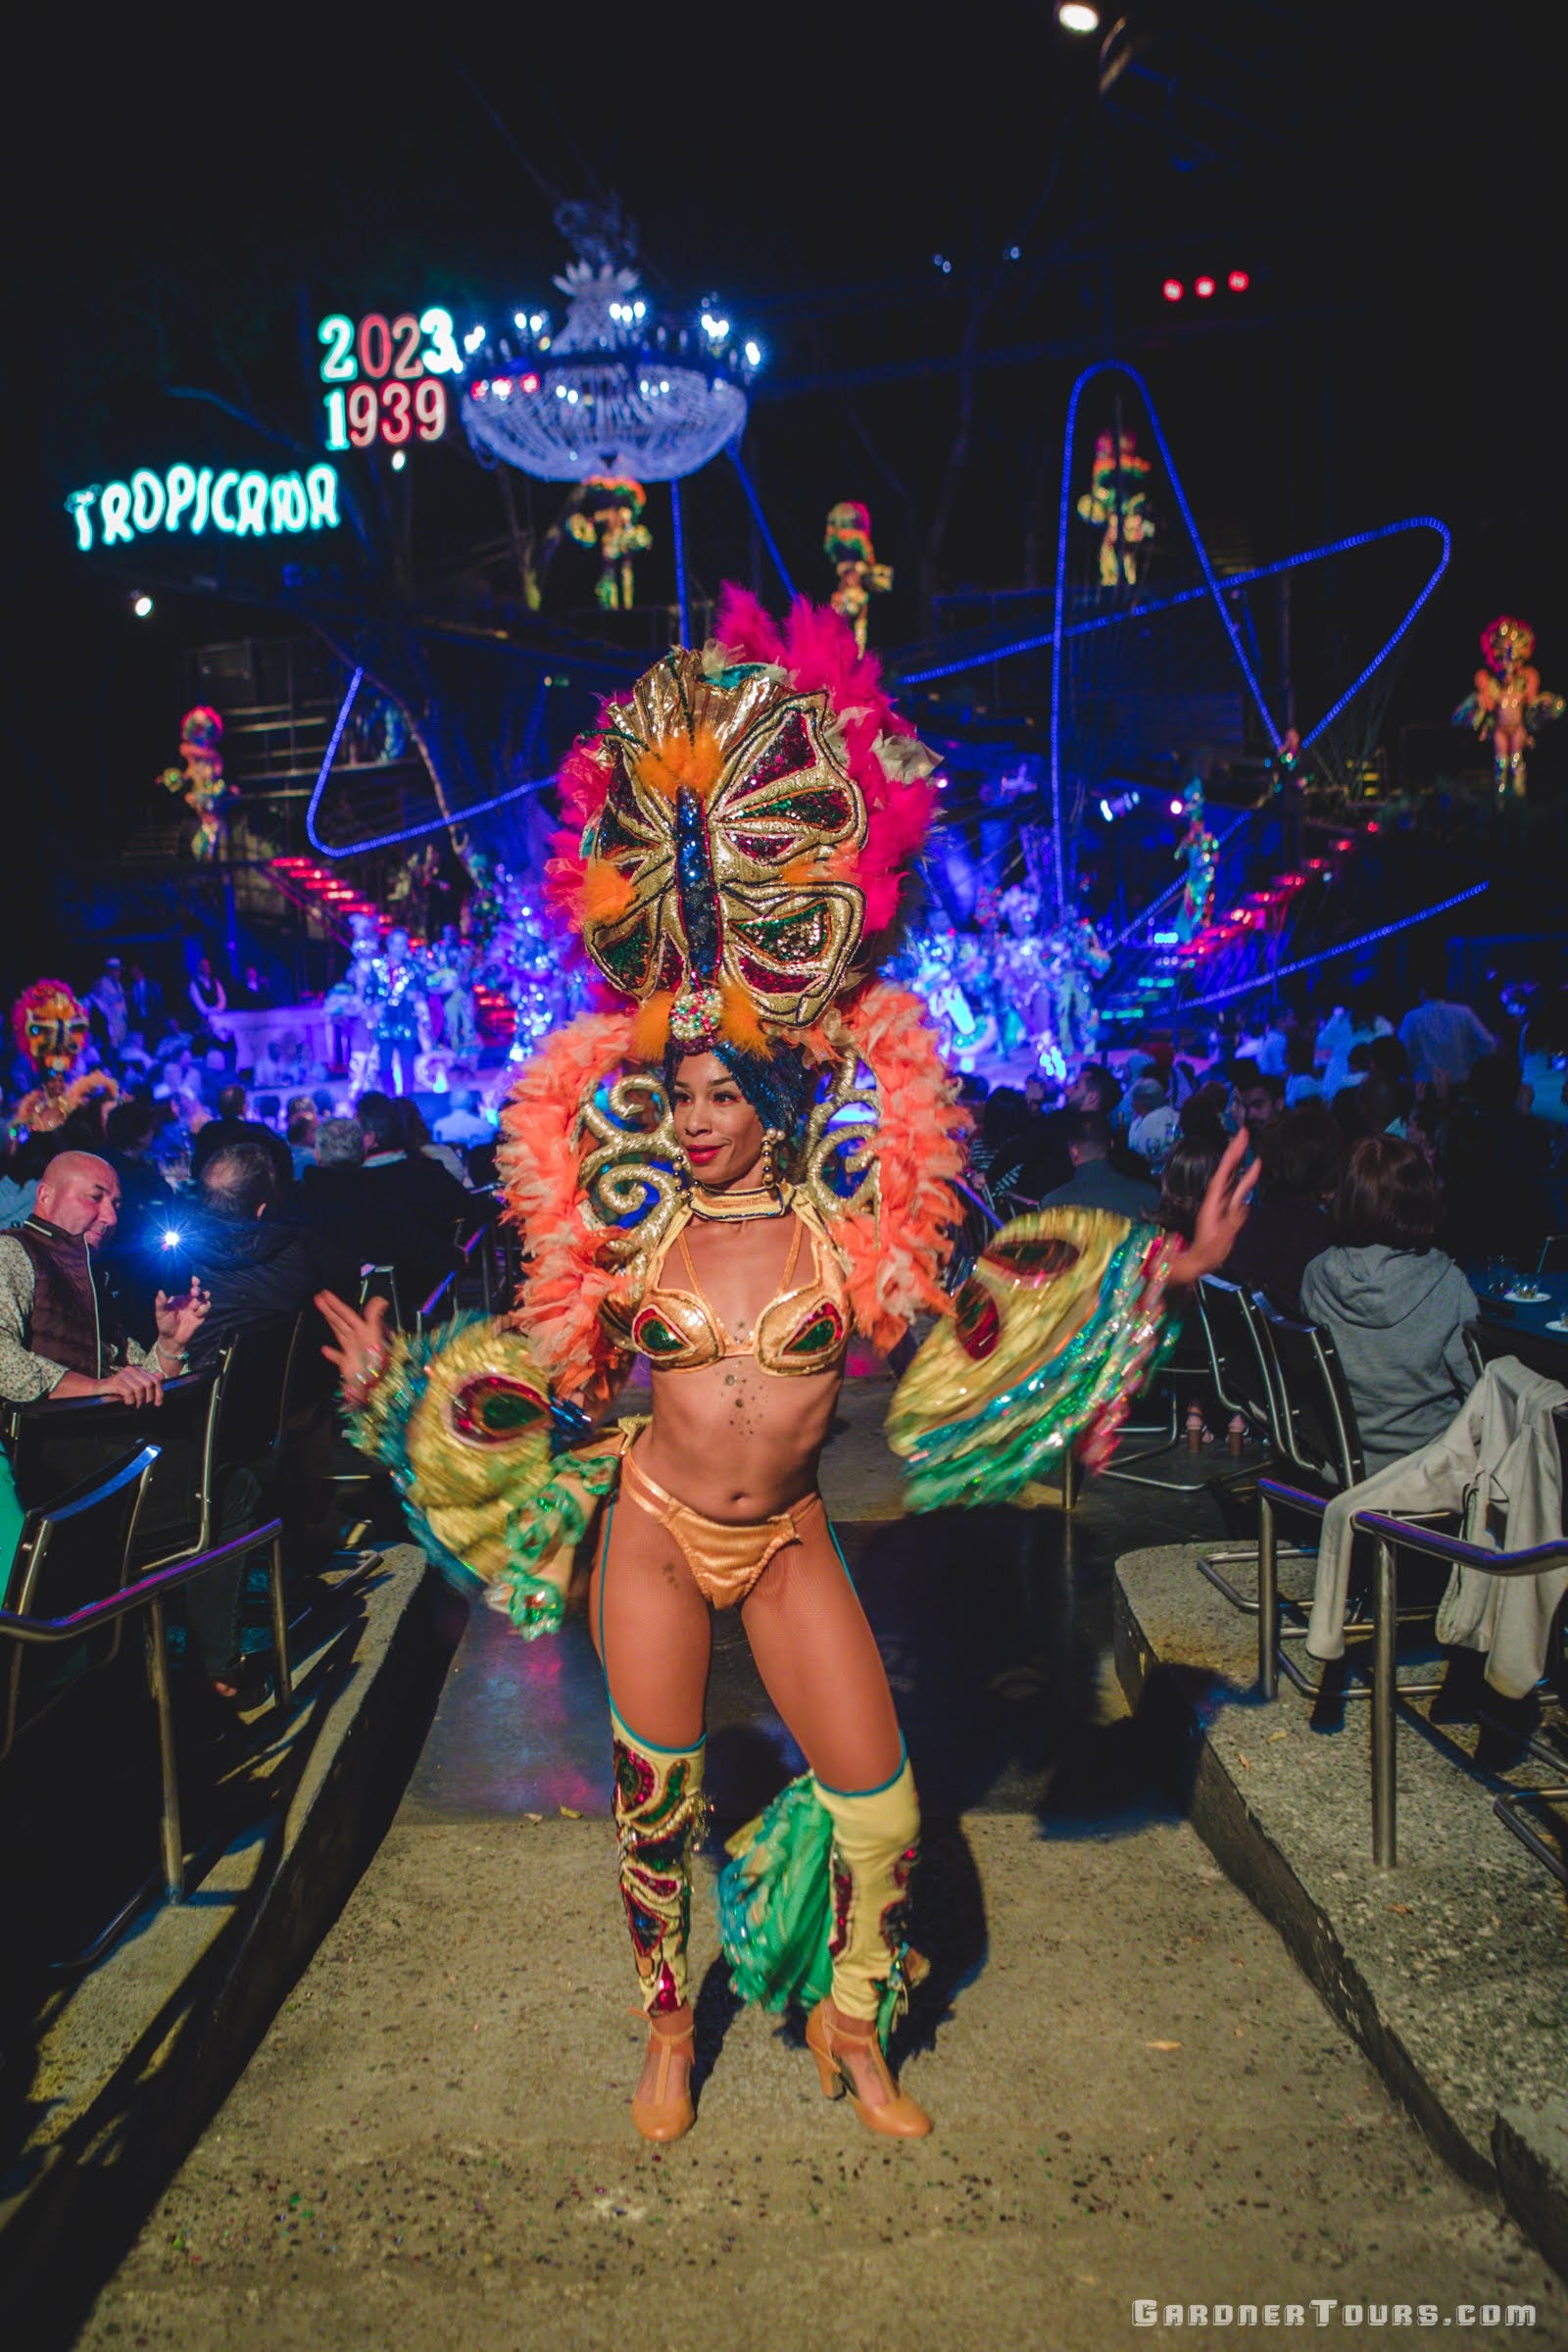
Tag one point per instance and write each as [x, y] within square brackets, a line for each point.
[57, 1339]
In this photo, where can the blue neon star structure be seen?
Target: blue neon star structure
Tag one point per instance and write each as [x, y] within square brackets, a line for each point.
[1212, 587]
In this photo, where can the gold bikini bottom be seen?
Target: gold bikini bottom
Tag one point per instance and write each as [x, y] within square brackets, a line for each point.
[725, 1561]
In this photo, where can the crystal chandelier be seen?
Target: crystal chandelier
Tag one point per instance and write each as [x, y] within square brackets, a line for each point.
[615, 391]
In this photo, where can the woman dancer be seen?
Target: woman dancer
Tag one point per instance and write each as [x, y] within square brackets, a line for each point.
[726, 1182]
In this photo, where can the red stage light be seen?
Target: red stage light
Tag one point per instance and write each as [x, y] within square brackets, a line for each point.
[1237, 282]
[528, 384]
[1202, 287]
[1173, 289]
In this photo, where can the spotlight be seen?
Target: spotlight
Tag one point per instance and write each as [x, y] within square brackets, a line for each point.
[1076, 16]
[399, 458]
[1176, 807]
[1202, 287]
[172, 1237]
[1173, 289]
[142, 607]
[1237, 282]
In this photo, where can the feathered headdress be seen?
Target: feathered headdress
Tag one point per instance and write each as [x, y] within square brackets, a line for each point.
[739, 828]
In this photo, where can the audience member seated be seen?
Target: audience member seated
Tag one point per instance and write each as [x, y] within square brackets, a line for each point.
[1188, 1170]
[60, 1334]
[1444, 1041]
[1347, 1027]
[1545, 1050]
[1257, 1097]
[1154, 1126]
[463, 1124]
[1005, 1150]
[1301, 1081]
[418, 1140]
[1094, 1183]
[1094, 1088]
[428, 1192]
[300, 1135]
[349, 1207]
[1300, 1154]
[231, 1126]
[1396, 1306]
[254, 1268]
[1496, 1168]
[130, 1131]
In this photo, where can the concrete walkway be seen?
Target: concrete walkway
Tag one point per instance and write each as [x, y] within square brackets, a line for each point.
[1137, 2093]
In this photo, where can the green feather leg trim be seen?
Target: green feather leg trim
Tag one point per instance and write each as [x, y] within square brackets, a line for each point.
[775, 1910]
[775, 1902]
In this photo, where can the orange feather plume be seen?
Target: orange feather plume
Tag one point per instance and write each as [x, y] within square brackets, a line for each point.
[649, 1026]
[739, 1022]
[606, 892]
[692, 762]
[565, 1281]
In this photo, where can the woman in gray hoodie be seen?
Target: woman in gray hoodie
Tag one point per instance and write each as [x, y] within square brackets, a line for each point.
[1397, 1308]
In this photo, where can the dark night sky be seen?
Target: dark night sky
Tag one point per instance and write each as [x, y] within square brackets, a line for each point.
[1383, 173]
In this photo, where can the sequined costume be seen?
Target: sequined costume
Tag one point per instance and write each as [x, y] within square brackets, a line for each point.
[51, 1027]
[1075, 959]
[396, 994]
[201, 784]
[1507, 701]
[736, 829]
[1198, 850]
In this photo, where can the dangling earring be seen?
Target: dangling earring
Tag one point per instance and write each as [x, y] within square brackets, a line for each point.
[772, 1137]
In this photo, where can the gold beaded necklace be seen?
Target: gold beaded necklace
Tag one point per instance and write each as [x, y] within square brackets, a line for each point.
[737, 1208]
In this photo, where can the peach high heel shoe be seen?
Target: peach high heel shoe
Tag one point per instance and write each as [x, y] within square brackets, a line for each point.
[898, 2116]
[668, 2115]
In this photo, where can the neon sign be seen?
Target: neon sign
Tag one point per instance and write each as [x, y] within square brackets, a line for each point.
[189, 497]
[394, 367]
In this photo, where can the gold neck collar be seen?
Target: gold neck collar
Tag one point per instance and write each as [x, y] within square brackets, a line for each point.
[736, 1207]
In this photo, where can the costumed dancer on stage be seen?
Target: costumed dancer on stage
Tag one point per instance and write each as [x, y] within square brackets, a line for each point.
[347, 1003]
[1198, 850]
[51, 1028]
[397, 1006]
[452, 961]
[727, 1177]
[1508, 703]
[1075, 959]
[200, 783]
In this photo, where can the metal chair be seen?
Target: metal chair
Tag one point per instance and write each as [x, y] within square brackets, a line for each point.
[1316, 1436]
[71, 1552]
[1393, 1535]
[63, 1444]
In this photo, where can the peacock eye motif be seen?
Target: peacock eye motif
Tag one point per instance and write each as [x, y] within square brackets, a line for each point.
[724, 851]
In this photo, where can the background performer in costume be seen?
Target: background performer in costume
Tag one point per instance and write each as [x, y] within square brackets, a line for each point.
[726, 1178]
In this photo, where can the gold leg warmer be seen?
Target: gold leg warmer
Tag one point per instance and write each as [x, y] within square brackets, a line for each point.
[660, 1814]
[876, 1833]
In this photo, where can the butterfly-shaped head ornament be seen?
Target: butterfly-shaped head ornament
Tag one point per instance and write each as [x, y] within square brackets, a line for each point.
[742, 826]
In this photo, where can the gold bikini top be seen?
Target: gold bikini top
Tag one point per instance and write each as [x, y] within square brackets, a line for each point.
[801, 1329]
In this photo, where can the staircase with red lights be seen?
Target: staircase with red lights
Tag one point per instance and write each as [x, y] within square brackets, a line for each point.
[316, 891]
[1158, 973]
[331, 901]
